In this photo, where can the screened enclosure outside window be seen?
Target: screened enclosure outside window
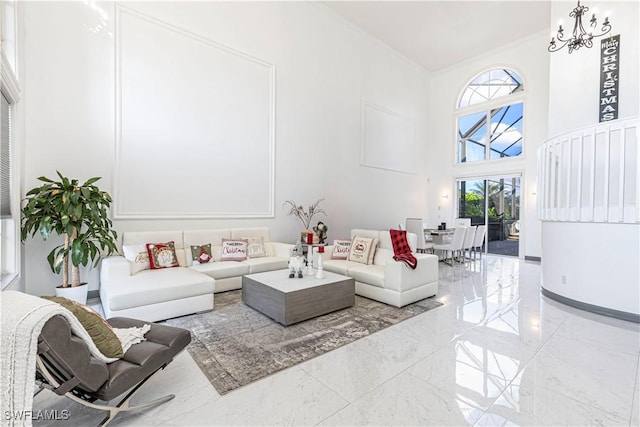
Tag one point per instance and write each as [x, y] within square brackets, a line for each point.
[494, 202]
[496, 132]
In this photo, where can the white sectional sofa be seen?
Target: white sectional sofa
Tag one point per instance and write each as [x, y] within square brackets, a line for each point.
[154, 295]
[387, 280]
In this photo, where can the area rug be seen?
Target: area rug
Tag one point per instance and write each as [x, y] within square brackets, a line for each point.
[235, 345]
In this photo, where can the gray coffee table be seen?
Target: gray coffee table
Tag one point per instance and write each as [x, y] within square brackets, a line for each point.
[289, 301]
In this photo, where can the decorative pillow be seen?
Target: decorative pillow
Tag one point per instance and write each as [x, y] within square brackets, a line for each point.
[234, 250]
[162, 255]
[138, 256]
[100, 331]
[341, 249]
[201, 254]
[255, 247]
[361, 249]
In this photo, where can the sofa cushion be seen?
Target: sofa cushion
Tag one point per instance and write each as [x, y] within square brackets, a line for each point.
[202, 237]
[258, 265]
[382, 256]
[369, 274]
[144, 237]
[157, 286]
[239, 233]
[385, 240]
[374, 234]
[269, 249]
[223, 269]
[339, 266]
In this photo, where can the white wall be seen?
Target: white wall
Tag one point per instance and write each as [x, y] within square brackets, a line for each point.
[599, 262]
[325, 71]
[529, 58]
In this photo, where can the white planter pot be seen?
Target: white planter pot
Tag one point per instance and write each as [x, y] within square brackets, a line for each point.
[75, 293]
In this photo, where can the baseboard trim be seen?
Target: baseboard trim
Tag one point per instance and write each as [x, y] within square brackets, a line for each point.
[532, 258]
[617, 314]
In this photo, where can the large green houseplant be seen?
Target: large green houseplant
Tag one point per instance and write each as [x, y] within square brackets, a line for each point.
[79, 213]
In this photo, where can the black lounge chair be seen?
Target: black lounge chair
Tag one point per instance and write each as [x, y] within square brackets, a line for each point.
[65, 366]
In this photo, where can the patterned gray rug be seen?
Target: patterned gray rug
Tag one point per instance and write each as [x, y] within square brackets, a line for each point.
[235, 345]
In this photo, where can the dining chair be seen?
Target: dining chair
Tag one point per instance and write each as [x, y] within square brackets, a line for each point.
[462, 222]
[478, 240]
[469, 238]
[414, 225]
[454, 246]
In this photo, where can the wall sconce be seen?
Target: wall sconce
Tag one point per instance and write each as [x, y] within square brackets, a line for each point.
[579, 36]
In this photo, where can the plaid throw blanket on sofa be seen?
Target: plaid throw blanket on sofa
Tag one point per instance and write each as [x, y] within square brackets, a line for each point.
[401, 249]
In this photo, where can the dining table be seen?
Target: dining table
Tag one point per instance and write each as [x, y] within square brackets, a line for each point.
[438, 237]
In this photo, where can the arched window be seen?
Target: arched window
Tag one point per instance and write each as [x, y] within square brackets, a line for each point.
[489, 121]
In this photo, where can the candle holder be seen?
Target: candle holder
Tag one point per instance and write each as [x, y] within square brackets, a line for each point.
[310, 261]
[320, 273]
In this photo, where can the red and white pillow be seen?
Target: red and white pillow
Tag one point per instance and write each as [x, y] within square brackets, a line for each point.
[201, 254]
[341, 249]
[362, 249]
[234, 250]
[162, 255]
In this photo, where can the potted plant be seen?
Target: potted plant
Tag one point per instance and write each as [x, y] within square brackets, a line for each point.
[79, 213]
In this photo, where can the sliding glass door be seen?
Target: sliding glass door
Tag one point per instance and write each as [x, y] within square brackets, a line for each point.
[495, 202]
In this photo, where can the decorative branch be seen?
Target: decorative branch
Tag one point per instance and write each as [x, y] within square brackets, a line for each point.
[300, 213]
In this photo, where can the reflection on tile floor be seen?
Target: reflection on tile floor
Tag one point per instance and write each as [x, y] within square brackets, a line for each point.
[497, 353]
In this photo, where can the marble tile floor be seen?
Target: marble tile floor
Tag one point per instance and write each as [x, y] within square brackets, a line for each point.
[497, 353]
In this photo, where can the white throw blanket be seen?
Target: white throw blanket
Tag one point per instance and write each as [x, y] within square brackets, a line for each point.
[131, 336]
[23, 317]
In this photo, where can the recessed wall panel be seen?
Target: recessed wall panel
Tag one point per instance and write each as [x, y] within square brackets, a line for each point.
[388, 139]
[195, 135]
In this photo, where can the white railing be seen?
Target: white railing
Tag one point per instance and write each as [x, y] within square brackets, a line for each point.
[591, 175]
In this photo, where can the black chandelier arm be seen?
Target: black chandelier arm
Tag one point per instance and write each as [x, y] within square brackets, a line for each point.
[606, 28]
[554, 46]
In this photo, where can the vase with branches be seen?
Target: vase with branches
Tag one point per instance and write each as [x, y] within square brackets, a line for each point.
[303, 215]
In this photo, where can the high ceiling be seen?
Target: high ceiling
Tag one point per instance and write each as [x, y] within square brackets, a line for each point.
[438, 34]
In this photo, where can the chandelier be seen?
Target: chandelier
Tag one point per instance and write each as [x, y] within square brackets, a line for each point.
[579, 36]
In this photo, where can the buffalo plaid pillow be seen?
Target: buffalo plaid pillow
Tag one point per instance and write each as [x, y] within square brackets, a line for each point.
[401, 249]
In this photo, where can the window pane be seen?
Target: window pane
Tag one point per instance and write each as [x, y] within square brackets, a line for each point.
[472, 131]
[491, 85]
[8, 31]
[471, 203]
[506, 131]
